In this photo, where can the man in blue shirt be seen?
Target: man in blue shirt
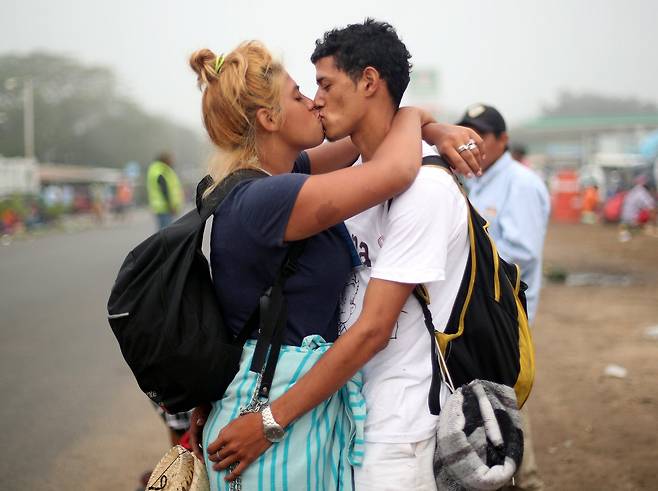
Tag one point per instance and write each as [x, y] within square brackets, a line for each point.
[515, 202]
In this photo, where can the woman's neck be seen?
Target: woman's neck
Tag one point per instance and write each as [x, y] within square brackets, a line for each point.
[275, 156]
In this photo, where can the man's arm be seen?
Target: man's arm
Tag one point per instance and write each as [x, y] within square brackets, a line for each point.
[243, 439]
[370, 334]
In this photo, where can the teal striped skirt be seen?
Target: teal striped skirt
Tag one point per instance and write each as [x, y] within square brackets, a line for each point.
[318, 449]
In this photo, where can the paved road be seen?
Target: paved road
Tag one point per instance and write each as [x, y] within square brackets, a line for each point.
[71, 415]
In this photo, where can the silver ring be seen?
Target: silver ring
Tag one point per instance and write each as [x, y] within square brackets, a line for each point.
[471, 145]
[463, 148]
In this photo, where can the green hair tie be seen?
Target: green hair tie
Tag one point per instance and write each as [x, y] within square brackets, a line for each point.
[219, 61]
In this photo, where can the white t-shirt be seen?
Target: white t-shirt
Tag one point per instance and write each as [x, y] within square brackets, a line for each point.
[422, 238]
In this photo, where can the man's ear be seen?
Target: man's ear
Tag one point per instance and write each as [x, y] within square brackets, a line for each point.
[267, 120]
[504, 138]
[370, 81]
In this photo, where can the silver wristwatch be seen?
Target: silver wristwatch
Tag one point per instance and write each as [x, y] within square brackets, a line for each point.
[272, 429]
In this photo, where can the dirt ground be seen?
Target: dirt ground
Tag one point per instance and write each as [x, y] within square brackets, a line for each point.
[592, 431]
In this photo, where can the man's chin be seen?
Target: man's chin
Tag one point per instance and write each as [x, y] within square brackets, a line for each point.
[332, 136]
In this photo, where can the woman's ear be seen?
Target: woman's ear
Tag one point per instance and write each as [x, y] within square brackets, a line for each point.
[266, 120]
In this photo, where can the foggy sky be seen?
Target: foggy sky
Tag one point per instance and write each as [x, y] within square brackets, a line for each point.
[515, 54]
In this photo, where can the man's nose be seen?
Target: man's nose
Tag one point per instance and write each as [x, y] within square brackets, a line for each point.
[318, 101]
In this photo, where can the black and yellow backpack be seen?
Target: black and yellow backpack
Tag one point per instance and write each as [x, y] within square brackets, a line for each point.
[487, 336]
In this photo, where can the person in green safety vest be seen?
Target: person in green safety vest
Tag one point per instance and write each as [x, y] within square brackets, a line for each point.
[164, 189]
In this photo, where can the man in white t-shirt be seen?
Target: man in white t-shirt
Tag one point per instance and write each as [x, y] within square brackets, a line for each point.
[422, 238]
[419, 237]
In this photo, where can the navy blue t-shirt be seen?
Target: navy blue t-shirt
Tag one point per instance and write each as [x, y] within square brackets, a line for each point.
[247, 249]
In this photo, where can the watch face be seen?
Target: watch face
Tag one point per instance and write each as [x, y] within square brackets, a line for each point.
[274, 434]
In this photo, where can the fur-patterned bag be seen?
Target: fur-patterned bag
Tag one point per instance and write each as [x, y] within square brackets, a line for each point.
[479, 439]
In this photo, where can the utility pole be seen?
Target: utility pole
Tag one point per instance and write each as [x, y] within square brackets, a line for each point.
[28, 118]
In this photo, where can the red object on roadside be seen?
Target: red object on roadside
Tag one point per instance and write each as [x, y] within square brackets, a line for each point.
[565, 194]
[612, 207]
[643, 216]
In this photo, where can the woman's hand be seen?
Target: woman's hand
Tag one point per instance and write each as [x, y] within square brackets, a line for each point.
[197, 421]
[241, 441]
[448, 138]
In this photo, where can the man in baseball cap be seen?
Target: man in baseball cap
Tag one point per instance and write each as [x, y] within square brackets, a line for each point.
[489, 123]
[515, 202]
[485, 119]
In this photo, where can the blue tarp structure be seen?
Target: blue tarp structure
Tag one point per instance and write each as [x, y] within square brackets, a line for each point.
[649, 146]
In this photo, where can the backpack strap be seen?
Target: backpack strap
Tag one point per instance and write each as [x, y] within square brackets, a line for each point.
[273, 320]
[438, 161]
[434, 398]
[273, 313]
[206, 205]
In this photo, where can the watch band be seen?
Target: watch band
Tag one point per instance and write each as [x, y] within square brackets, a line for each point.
[268, 417]
[272, 429]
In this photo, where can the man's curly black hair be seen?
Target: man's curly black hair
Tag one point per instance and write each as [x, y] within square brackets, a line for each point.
[374, 44]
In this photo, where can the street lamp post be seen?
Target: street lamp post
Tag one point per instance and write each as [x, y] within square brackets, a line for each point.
[28, 118]
[28, 113]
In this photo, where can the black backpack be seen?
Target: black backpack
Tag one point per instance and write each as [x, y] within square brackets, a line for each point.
[165, 315]
[487, 336]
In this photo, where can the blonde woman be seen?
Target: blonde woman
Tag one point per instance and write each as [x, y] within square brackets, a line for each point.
[255, 113]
